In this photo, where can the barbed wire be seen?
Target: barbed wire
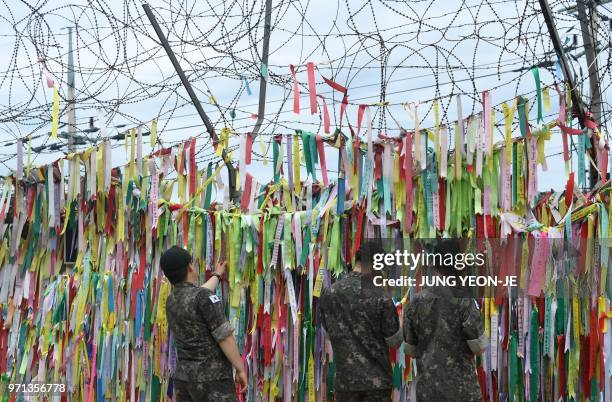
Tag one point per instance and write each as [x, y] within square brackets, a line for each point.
[377, 49]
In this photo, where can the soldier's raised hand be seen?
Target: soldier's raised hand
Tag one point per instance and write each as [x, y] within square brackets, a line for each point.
[220, 267]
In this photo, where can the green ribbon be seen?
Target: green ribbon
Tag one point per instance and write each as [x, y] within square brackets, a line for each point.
[306, 148]
[331, 370]
[314, 154]
[522, 112]
[397, 377]
[275, 152]
[560, 316]
[547, 326]
[334, 262]
[536, 76]
[155, 388]
[208, 187]
[581, 152]
[147, 315]
[305, 246]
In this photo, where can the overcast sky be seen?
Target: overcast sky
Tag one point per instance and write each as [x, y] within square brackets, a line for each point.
[118, 61]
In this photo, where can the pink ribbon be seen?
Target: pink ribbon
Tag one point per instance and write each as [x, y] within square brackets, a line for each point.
[312, 87]
[321, 150]
[538, 266]
[296, 91]
[408, 177]
[325, 115]
[92, 376]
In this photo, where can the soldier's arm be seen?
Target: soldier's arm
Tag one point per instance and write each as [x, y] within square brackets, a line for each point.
[410, 336]
[473, 328]
[212, 283]
[220, 328]
[230, 350]
[391, 328]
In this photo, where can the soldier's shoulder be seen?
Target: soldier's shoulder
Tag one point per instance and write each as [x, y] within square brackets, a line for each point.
[202, 291]
[419, 301]
[206, 296]
[342, 284]
[329, 292]
[420, 298]
[469, 303]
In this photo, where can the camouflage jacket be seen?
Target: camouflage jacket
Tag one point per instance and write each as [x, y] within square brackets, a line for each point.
[361, 323]
[443, 333]
[196, 319]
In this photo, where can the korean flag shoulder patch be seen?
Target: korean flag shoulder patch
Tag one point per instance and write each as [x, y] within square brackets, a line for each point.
[214, 299]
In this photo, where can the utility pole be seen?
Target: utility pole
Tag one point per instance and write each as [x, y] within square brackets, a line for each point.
[261, 110]
[70, 108]
[587, 14]
[577, 105]
[566, 68]
[231, 170]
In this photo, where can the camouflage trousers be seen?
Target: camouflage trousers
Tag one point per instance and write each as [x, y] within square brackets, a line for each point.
[211, 391]
[364, 396]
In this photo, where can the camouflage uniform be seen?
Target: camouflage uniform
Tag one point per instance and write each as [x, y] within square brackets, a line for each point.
[443, 332]
[196, 319]
[362, 323]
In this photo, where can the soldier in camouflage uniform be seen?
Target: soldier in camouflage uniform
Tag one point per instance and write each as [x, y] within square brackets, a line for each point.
[443, 331]
[205, 343]
[361, 322]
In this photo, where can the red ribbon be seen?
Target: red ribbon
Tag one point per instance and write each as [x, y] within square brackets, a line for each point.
[442, 203]
[267, 340]
[589, 121]
[569, 190]
[377, 164]
[335, 85]
[246, 196]
[341, 89]
[561, 368]
[565, 146]
[108, 225]
[569, 130]
[584, 365]
[359, 228]
[360, 112]
[30, 199]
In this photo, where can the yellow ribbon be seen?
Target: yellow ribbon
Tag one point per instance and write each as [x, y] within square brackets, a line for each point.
[55, 114]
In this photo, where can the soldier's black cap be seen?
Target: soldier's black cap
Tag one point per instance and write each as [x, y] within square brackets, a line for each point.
[175, 262]
[367, 249]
